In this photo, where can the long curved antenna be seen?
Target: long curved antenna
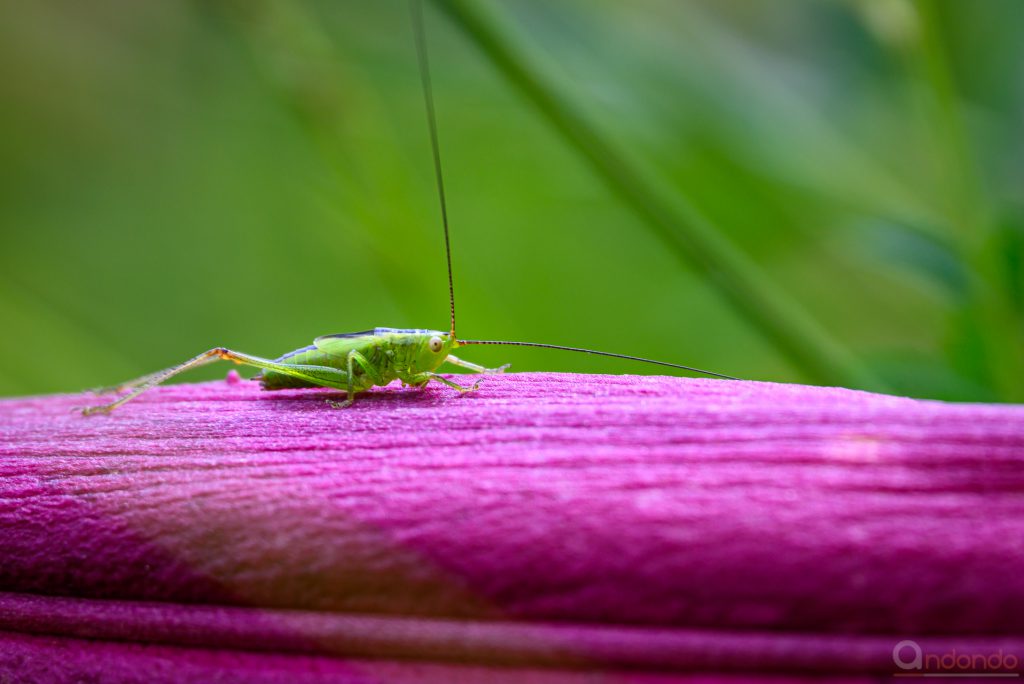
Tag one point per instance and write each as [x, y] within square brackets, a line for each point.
[597, 353]
[416, 8]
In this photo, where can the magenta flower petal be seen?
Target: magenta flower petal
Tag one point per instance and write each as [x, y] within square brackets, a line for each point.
[545, 526]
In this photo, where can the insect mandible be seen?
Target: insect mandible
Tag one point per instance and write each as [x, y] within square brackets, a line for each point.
[355, 362]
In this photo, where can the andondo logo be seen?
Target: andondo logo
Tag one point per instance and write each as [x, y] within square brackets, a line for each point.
[914, 661]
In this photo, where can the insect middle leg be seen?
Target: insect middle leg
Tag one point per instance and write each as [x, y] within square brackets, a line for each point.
[324, 376]
[354, 359]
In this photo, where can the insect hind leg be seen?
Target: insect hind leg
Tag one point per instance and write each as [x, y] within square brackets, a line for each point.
[147, 382]
[323, 376]
[138, 382]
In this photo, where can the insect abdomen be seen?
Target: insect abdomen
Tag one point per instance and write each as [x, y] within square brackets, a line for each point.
[272, 380]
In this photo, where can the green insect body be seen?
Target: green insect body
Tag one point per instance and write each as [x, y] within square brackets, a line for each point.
[352, 361]
[374, 357]
[377, 357]
[355, 362]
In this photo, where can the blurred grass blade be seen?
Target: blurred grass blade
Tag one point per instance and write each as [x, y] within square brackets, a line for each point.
[669, 215]
[989, 330]
[963, 202]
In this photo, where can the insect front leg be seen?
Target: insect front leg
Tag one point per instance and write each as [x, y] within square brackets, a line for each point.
[420, 379]
[475, 367]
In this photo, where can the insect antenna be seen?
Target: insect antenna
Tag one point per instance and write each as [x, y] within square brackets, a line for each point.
[416, 8]
[596, 353]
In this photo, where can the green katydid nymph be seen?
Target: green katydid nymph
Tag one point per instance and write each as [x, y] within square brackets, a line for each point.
[355, 362]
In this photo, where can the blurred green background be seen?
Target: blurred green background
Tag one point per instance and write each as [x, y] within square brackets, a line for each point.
[180, 175]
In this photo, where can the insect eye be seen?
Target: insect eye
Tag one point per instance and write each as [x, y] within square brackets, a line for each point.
[435, 344]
